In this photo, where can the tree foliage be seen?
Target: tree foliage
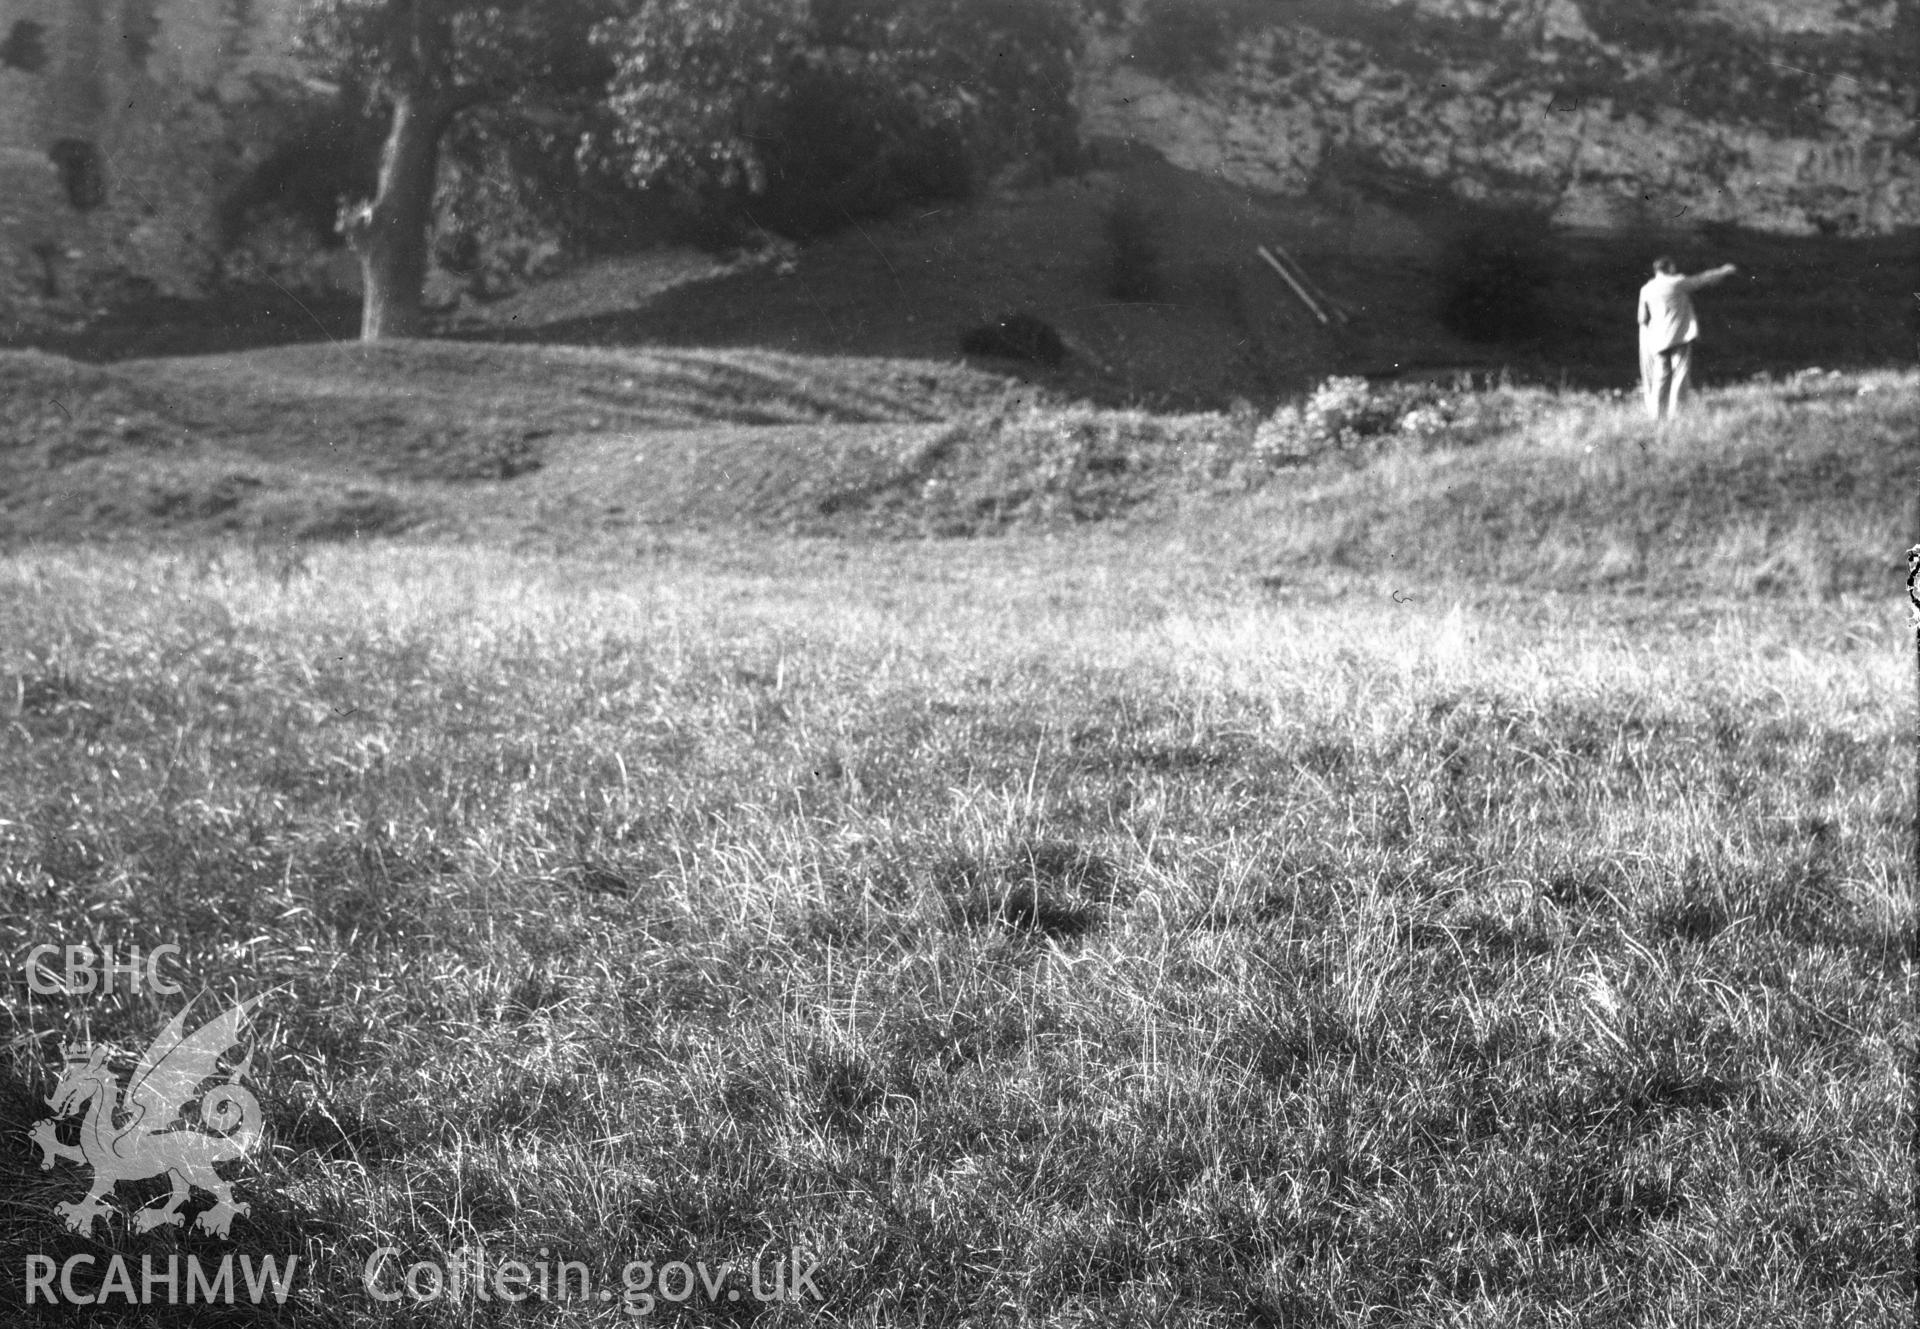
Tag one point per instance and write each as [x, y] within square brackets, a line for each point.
[818, 111]
[812, 112]
[423, 64]
[535, 53]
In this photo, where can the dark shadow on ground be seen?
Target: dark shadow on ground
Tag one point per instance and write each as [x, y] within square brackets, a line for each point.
[1798, 302]
[237, 320]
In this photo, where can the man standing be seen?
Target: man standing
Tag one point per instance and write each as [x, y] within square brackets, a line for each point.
[1667, 332]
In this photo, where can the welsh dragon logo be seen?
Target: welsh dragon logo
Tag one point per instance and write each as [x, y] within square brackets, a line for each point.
[145, 1133]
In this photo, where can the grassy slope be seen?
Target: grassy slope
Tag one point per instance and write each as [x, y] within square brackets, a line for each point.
[324, 441]
[1801, 490]
[1162, 919]
[577, 449]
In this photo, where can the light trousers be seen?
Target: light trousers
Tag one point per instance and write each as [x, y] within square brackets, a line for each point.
[1663, 378]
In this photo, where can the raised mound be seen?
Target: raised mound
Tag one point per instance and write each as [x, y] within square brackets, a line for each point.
[1794, 488]
[337, 438]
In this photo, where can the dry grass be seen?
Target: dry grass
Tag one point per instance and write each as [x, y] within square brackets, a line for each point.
[327, 442]
[1156, 923]
[1798, 490]
[1035, 941]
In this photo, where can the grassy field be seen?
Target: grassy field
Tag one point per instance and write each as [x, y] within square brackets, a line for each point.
[1460, 877]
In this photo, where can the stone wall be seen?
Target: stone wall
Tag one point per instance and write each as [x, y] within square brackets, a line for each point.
[1792, 116]
[122, 122]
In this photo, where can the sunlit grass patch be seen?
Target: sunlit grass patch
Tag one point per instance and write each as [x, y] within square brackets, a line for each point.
[1755, 491]
[1030, 934]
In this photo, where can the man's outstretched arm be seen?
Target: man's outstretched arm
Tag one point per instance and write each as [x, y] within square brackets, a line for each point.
[1698, 280]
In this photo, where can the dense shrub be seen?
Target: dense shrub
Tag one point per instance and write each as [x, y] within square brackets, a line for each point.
[807, 116]
[839, 145]
[1350, 416]
[513, 199]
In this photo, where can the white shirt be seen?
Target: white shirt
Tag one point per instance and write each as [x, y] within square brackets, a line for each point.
[1666, 312]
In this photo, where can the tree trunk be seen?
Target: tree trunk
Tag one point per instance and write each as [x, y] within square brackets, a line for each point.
[390, 233]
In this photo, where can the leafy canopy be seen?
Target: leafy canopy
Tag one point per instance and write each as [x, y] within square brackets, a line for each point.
[474, 50]
[510, 86]
[829, 108]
